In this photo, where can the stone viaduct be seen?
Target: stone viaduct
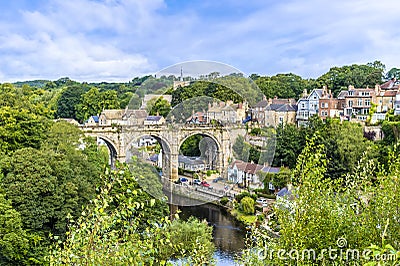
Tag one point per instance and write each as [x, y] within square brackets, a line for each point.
[119, 139]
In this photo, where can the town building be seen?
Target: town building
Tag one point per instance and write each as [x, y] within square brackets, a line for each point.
[92, 121]
[154, 120]
[273, 112]
[247, 174]
[308, 105]
[358, 102]
[198, 118]
[111, 117]
[330, 106]
[397, 104]
[194, 164]
[226, 112]
[134, 117]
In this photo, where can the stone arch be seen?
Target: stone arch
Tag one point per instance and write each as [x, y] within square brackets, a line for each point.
[217, 164]
[201, 133]
[112, 149]
[166, 149]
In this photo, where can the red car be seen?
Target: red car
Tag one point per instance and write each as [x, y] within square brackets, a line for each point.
[204, 184]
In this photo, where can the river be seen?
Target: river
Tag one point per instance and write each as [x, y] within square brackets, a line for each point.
[228, 234]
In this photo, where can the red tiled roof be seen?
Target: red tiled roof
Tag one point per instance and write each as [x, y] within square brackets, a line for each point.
[390, 93]
[390, 84]
[250, 168]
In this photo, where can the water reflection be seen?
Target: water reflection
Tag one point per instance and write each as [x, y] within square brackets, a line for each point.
[228, 235]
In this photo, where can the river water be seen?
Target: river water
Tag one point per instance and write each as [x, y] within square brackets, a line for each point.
[228, 234]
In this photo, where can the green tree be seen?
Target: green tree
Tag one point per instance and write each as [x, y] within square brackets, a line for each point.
[241, 149]
[70, 99]
[47, 184]
[110, 236]
[360, 76]
[94, 101]
[191, 146]
[247, 205]
[161, 106]
[17, 246]
[290, 140]
[324, 211]
[393, 73]
[23, 122]
[283, 85]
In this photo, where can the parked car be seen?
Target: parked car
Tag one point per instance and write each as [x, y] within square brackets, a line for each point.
[261, 201]
[183, 180]
[205, 184]
[217, 179]
[196, 182]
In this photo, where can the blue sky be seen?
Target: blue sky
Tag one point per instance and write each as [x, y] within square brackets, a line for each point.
[116, 40]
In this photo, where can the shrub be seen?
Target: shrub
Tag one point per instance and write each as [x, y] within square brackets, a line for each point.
[240, 196]
[224, 201]
[247, 205]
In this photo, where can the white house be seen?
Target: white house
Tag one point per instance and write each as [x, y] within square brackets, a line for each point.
[308, 105]
[146, 141]
[246, 174]
[194, 164]
[92, 121]
[397, 104]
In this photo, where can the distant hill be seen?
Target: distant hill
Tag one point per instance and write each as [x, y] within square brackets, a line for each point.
[32, 83]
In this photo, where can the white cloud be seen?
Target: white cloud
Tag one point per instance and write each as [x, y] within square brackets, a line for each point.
[120, 39]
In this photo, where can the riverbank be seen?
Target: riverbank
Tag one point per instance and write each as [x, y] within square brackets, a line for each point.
[228, 234]
[244, 219]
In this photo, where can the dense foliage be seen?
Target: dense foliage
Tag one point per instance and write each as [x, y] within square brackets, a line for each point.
[357, 212]
[60, 204]
[110, 232]
[344, 144]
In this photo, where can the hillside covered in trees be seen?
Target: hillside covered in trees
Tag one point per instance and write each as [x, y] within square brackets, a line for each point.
[79, 100]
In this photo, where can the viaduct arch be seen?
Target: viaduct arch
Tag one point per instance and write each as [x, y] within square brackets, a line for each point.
[119, 139]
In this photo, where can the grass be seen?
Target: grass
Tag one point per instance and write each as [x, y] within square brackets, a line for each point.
[244, 218]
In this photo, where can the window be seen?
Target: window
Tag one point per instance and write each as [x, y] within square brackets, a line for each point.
[302, 106]
[281, 119]
[360, 102]
[350, 103]
[351, 93]
[367, 102]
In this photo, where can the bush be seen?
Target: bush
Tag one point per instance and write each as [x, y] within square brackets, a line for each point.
[208, 173]
[224, 201]
[245, 194]
[247, 205]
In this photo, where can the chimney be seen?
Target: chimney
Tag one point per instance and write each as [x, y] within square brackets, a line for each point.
[264, 97]
[269, 101]
[305, 93]
[377, 89]
[351, 87]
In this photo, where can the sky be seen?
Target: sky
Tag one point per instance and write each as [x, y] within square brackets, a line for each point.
[117, 40]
